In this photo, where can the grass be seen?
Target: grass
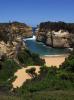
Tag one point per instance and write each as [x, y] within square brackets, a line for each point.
[42, 95]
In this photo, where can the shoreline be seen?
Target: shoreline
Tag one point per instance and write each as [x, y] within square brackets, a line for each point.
[54, 60]
[59, 55]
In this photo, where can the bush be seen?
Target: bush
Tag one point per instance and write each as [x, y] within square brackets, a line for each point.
[37, 60]
[65, 75]
[9, 67]
[31, 71]
[68, 64]
[28, 58]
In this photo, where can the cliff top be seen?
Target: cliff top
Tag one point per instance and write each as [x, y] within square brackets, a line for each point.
[9, 31]
[56, 26]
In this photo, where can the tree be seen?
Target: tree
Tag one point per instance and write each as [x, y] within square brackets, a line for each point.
[68, 63]
[31, 71]
[0, 65]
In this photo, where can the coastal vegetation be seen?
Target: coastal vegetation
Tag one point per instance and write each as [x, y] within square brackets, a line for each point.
[56, 26]
[49, 82]
[7, 69]
[27, 58]
[8, 66]
[31, 72]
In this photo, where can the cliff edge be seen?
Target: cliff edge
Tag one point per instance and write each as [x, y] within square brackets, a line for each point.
[11, 37]
[56, 34]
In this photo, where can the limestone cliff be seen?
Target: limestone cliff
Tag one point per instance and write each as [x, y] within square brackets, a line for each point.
[61, 37]
[55, 39]
[11, 35]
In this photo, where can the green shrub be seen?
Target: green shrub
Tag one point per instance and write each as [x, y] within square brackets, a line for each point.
[68, 63]
[28, 58]
[31, 71]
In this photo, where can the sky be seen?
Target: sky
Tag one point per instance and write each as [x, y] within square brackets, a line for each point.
[32, 12]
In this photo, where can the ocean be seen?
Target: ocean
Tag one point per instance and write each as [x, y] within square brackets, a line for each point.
[41, 49]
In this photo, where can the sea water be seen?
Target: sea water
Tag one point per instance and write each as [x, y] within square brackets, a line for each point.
[41, 49]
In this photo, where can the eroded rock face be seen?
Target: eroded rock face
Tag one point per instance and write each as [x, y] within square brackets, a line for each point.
[60, 39]
[56, 34]
[72, 40]
[10, 50]
[11, 36]
[9, 31]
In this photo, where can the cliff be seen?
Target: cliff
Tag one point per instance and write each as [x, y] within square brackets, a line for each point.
[11, 35]
[8, 30]
[58, 35]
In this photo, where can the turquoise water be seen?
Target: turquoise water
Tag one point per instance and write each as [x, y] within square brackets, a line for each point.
[41, 49]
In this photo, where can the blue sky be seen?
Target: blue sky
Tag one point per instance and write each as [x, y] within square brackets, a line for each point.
[33, 12]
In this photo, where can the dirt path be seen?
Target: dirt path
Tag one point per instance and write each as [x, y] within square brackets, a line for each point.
[22, 76]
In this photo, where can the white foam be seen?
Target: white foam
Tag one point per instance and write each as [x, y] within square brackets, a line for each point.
[33, 38]
[54, 55]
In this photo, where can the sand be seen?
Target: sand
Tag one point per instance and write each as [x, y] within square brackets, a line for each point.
[22, 76]
[54, 60]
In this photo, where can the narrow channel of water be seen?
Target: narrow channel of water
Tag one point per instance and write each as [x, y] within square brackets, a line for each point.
[41, 49]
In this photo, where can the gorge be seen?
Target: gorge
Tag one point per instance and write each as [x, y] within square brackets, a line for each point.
[42, 49]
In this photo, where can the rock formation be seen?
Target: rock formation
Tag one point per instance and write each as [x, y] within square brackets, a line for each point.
[51, 36]
[55, 39]
[11, 36]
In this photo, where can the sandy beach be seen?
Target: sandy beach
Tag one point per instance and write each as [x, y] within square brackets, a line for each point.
[22, 76]
[54, 60]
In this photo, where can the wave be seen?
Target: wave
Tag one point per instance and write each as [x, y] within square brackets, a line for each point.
[33, 38]
[59, 55]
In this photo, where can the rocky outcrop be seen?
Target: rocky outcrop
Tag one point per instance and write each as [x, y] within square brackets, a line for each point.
[10, 31]
[11, 50]
[56, 34]
[72, 40]
[11, 38]
[60, 39]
